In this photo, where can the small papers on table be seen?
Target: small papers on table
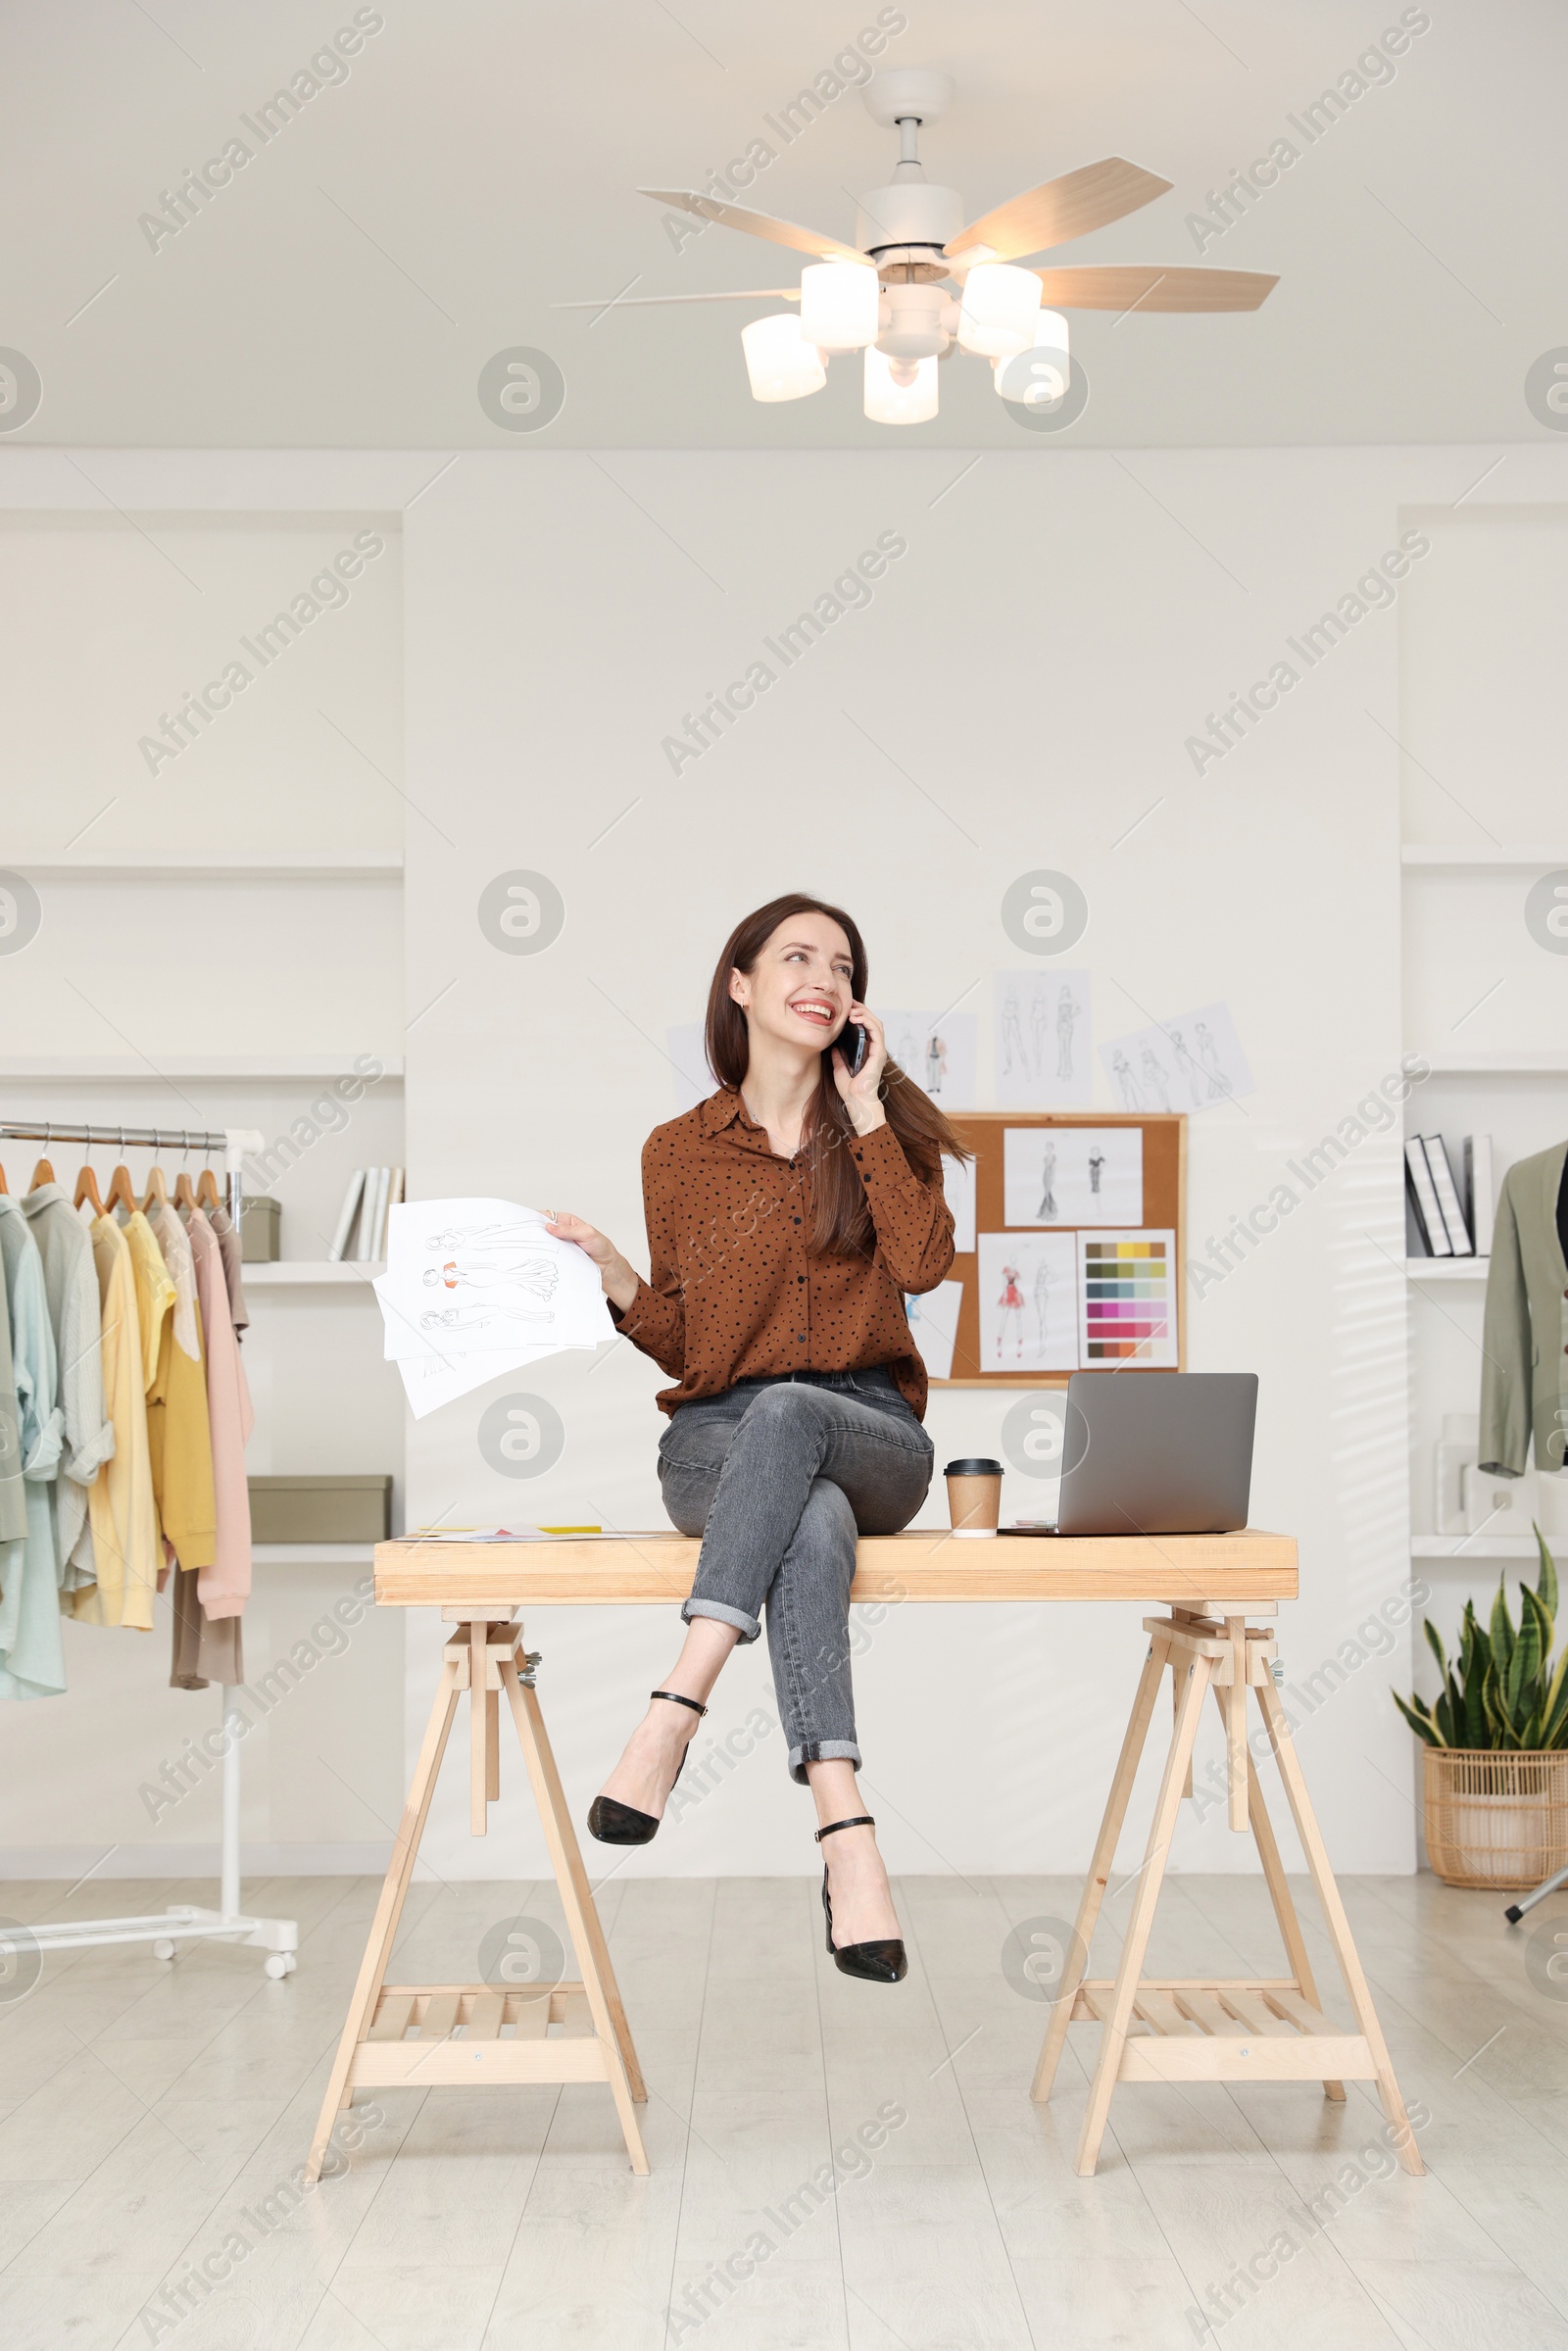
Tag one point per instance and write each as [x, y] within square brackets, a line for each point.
[476, 1287]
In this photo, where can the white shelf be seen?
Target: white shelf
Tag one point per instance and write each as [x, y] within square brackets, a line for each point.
[1497, 858]
[202, 864]
[1447, 1269]
[291, 1273]
[233, 1069]
[1484, 1546]
[1551, 1064]
[312, 1554]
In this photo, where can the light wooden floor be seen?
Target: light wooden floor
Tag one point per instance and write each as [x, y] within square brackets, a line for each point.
[150, 2112]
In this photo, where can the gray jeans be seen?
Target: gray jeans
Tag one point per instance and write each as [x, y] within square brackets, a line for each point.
[778, 1475]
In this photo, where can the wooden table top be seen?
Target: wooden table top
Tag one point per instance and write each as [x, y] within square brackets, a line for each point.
[1192, 1571]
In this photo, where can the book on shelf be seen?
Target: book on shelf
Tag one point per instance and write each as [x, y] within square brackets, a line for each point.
[371, 1215]
[1448, 1192]
[1479, 1198]
[1434, 1233]
[346, 1216]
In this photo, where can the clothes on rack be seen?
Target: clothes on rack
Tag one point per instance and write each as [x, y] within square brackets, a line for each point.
[229, 1242]
[32, 1662]
[70, 1286]
[178, 1428]
[1524, 1357]
[127, 1548]
[226, 1585]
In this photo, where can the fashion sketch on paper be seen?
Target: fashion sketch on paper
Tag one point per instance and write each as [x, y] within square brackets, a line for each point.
[1126, 1083]
[1066, 1019]
[1012, 1035]
[1012, 1305]
[1048, 1184]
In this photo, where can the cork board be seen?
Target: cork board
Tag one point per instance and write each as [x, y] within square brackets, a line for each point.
[1076, 1262]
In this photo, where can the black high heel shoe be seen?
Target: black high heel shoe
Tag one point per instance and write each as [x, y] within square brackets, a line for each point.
[618, 1824]
[883, 1962]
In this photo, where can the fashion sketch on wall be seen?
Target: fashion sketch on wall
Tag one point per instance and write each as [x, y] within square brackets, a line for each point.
[1192, 1062]
[1072, 1175]
[937, 1050]
[1041, 1039]
[1028, 1288]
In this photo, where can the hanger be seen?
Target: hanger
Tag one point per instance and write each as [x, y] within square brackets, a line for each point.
[120, 1194]
[87, 1183]
[3, 1184]
[184, 1197]
[157, 1189]
[208, 1194]
[43, 1173]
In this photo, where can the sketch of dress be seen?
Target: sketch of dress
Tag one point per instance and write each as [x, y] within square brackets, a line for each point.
[1011, 1303]
[1067, 1018]
[1209, 1055]
[936, 1062]
[1012, 1035]
[476, 1318]
[1042, 1303]
[485, 1235]
[1039, 1022]
[1154, 1077]
[1185, 1063]
[1048, 1185]
[1096, 1168]
[536, 1274]
[908, 1052]
[1126, 1083]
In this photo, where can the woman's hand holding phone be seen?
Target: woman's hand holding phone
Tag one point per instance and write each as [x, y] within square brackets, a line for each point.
[617, 1278]
[859, 1075]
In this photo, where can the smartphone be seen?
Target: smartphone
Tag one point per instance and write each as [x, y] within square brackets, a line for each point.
[853, 1041]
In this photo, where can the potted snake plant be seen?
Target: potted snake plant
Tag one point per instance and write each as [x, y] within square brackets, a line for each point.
[1495, 1743]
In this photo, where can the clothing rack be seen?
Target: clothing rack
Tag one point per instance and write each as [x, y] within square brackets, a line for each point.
[181, 1921]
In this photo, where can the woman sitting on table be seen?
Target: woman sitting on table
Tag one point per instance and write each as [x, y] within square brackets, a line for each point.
[787, 1215]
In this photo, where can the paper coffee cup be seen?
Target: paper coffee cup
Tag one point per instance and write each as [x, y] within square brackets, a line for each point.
[975, 1496]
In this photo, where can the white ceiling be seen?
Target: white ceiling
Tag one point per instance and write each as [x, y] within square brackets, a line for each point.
[480, 160]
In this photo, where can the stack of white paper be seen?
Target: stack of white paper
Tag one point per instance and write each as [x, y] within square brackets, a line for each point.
[474, 1288]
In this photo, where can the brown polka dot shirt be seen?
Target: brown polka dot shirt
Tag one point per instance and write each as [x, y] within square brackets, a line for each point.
[732, 1292]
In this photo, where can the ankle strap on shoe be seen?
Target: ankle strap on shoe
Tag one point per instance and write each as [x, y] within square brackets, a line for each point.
[676, 1699]
[861, 1820]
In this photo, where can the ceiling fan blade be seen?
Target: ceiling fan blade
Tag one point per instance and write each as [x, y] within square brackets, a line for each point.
[1125, 287]
[758, 224]
[642, 302]
[1057, 212]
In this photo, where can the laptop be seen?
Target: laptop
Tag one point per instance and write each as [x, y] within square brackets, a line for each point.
[1156, 1453]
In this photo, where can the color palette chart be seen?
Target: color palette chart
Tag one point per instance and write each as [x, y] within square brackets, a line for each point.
[1127, 1300]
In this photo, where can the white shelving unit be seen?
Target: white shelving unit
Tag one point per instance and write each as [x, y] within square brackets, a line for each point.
[1447, 1269]
[301, 1273]
[236, 1069]
[1496, 858]
[1484, 1546]
[203, 864]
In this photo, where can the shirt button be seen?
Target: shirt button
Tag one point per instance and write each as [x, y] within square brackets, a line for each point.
[800, 1336]
[800, 1277]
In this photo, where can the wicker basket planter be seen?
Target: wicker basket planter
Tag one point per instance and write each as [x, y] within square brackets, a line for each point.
[1496, 1817]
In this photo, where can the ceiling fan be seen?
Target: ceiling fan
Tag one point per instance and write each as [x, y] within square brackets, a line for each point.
[890, 294]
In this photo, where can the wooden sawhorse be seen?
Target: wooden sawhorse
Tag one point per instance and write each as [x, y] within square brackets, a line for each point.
[1184, 2028]
[414, 2037]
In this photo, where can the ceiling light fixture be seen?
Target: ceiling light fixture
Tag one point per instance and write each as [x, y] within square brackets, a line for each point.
[915, 281]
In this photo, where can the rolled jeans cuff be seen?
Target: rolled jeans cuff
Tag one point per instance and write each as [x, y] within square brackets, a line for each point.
[748, 1627]
[821, 1750]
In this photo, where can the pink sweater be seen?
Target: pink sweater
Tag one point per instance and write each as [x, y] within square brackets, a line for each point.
[224, 1587]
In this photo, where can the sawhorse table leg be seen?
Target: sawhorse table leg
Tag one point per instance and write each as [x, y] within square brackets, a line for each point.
[470, 2034]
[1213, 2029]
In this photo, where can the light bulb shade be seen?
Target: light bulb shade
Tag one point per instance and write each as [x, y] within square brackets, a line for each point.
[839, 305]
[1001, 305]
[1041, 376]
[888, 402]
[781, 364]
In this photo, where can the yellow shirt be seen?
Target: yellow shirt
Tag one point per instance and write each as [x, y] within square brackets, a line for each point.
[178, 1436]
[119, 1502]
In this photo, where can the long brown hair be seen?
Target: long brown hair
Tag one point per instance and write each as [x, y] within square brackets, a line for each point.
[840, 1218]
